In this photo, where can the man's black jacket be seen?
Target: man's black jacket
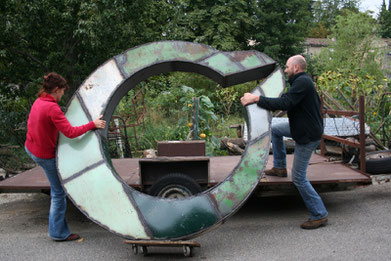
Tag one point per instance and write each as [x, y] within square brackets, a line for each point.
[303, 105]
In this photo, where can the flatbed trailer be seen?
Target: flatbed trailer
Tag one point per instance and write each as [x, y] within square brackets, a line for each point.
[323, 174]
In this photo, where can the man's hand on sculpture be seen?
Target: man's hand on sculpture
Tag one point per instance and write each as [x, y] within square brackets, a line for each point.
[249, 98]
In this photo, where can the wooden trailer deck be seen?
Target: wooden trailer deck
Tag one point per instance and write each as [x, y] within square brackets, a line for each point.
[320, 171]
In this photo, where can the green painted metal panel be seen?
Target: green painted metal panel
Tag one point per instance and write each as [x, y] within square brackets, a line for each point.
[75, 113]
[256, 119]
[80, 152]
[231, 193]
[267, 58]
[251, 61]
[274, 85]
[176, 218]
[222, 63]
[145, 55]
[248, 59]
[99, 195]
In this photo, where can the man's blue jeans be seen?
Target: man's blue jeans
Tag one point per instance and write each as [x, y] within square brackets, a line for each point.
[301, 160]
[58, 226]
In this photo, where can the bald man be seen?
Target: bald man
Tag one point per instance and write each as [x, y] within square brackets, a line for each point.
[305, 126]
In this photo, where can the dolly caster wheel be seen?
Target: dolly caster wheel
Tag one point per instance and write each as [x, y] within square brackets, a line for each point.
[187, 251]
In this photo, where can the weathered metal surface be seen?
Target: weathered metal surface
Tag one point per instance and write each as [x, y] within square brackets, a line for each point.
[81, 152]
[229, 194]
[353, 143]
[320, 171]
[137, 64]
[92, 182]
[273, 87]
[98, 86]
[194, 167]
[110, 207]
[173, 218]
[182, 148]
[342, 127]
[146, 55]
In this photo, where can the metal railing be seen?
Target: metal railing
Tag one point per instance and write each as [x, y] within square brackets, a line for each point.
[361, 144]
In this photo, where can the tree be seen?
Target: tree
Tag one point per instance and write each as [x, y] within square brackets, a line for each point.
[224, 25]
[325, 13]
[384, 20]
[278, 28]
[70, 37]
[74, 37]
[319, 30]
[351, 65]
[66, 36]
[352, 47]
[281, 27]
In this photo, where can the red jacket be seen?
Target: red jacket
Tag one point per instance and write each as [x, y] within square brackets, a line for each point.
[45, 121]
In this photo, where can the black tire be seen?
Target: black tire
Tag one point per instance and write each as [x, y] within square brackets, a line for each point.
[378, 162]
[175, 185]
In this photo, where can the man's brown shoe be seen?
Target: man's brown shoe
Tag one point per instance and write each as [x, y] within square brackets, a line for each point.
[313, 224]
[276, 172]
[71, 237]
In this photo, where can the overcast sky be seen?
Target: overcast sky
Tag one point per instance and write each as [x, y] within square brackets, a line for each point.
[373, 5]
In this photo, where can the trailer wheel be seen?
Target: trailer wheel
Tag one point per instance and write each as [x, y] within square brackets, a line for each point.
[175, 185]
[378, 162]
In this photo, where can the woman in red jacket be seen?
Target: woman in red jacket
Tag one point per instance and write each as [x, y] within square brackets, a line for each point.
[45, 121]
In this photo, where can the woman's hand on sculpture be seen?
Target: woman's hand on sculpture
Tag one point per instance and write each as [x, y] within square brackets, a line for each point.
[99, 123]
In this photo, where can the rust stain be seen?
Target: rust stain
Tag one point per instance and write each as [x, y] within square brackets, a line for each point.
[240, 56]
[231, 196]
[193, 49]
[83, 208]
[89, 86]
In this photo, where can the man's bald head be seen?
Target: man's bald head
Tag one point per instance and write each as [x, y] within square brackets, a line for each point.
[299, 60]
[295, 64]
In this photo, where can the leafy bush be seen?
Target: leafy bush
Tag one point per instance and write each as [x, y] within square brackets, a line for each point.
[13, 120]
[168, 99]
[205, 107]
[164, 92]
[352, 47]
[352, 66]
[346, 87]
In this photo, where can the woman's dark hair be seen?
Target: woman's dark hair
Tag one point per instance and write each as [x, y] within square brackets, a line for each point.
[51, 81]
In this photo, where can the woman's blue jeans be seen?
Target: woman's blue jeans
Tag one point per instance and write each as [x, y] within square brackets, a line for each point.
[58, 226]
[302, 156]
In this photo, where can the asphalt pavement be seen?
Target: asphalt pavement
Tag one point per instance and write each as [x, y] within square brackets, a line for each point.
[264, 229]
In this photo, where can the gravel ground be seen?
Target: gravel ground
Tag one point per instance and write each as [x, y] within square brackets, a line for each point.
[264, 229]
